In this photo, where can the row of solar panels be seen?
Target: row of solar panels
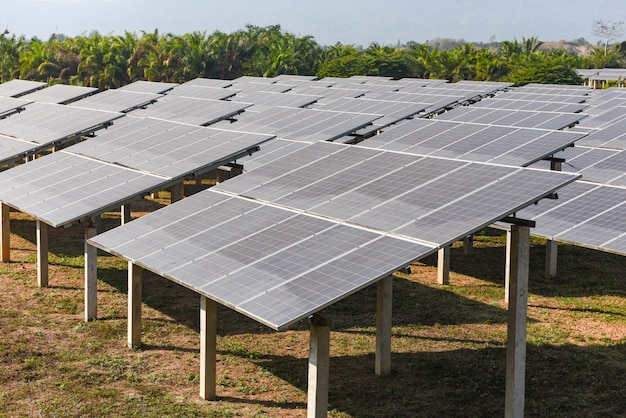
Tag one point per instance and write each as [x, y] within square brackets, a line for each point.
[121, 162]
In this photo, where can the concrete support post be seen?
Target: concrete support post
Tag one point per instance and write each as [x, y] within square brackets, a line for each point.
[384, 304]
[208, 348]
[468, 245]
[552, 251]
[125, 214]
[319, 362]
[443, 265]
[507, 266]
[98, 223]
[134, 305]
[91, 291]
[177, 192]
[5, 234]
[42, 254]
[516, 330]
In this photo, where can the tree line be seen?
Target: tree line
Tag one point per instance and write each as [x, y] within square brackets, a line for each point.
[108, 61]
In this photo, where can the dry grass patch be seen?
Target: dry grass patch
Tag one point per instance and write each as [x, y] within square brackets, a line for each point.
[448, 342]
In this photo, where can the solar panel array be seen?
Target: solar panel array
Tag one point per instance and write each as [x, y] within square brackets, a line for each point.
[298, 174]
[292, 237]
[133, 158]
[311, 221]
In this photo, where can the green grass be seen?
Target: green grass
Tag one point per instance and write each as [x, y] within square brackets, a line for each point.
[448, 344]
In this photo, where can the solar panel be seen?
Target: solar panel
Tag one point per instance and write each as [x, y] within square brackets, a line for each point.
[207, 82]
[541, 97]
[328, 93]
[543, 120]
[585, 214]
[604, 119]
[611, 136]
[200, 92]
[511, 104]
[13, 148]
[263, 100]
[141, 86]
[45, 123]
[304, 124]
[17, 88]
[473, 142]
[60, 94]
[9, 106]
[61, 187]
[117, 101]
[610, 170]
[192, 111]
[269, 253]
[166, 148]
[437, 101]
[269, 152]
[392, 111]
[252, 86]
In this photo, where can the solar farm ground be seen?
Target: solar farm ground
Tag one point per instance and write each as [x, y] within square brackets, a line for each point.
[448, 341]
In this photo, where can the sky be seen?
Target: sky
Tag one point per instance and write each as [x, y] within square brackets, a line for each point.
[356, 22]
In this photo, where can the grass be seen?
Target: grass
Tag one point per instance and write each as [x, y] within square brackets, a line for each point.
[448, 342]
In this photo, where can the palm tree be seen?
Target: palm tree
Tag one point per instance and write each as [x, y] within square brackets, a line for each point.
[531, 45]
[11, 48]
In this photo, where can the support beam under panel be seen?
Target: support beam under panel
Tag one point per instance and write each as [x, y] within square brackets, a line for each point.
[208, 348]
[319, 362]
[552, 251]
[91, 291]
[468, 245]
[125, 214]
[134, 305]
[443, 265]
[42, 254]
[384, 297]
[516, 330]
[177, 192]
[5, 233]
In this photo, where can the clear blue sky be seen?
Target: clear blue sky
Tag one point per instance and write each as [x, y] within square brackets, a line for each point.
[357, 22]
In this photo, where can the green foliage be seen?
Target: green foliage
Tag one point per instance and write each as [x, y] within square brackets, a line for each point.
[107, 61]
[544, 72]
